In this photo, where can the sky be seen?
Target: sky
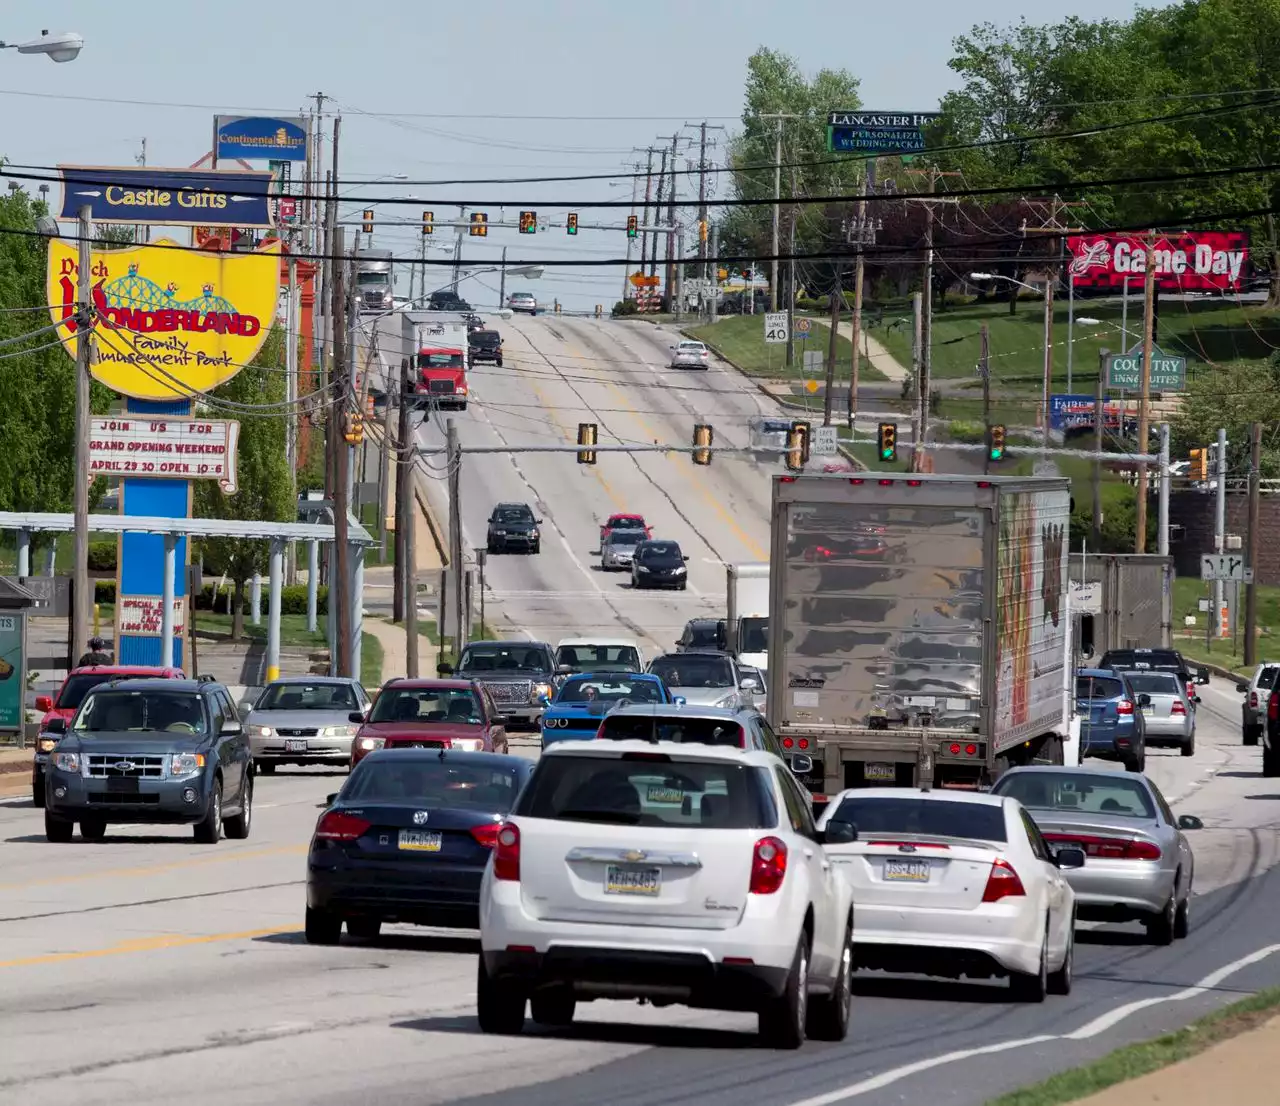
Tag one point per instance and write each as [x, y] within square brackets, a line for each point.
[424, 95]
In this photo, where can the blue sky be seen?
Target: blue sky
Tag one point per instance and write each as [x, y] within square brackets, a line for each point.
[418, 92]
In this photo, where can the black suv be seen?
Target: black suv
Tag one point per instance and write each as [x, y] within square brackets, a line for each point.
[1156, 660]
[513, 526]
[151, 751]
[485, 345]
[446, 300]
[520, 675]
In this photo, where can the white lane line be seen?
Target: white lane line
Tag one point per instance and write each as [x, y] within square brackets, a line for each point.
[1098, 1026]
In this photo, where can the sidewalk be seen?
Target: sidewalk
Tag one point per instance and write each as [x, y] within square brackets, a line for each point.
[395, 650]
[874, 351]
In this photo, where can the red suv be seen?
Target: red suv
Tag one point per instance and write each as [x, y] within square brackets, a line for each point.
[432, 714]
[78, 684]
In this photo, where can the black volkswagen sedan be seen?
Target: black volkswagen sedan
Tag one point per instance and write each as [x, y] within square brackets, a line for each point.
[659, 564]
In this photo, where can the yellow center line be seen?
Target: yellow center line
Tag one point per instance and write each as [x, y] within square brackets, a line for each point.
[224, 857]
[146, 944]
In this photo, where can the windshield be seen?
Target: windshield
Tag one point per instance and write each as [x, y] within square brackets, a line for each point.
[317, 696]
[1098, 687]
[641, 789]
[579, 689]
[440, 360]
[697, 731]
[489, 658]
[433, 783]
[77, 687]
[1094, 793]
[115, 711]
[522, 295]
[686, 670]
[599, 658]
[512, 514]
[367, 279]
[702, 635]
[455, 706]
[923, 818]
[625, 539]
[660, 551]
[753, 634]
[1155, 683]
[485, 338]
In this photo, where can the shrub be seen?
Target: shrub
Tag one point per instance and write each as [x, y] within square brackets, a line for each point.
[624, 307]
[293, 600]
[104, 591]
[102, 555]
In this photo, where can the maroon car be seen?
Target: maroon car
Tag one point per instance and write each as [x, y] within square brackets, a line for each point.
[431, 714]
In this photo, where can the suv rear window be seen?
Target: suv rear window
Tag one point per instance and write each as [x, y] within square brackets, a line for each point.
[642, 789]
[658, 727]
[923, 817]
[1267, 676]
[1165, 659]
[1098, 687]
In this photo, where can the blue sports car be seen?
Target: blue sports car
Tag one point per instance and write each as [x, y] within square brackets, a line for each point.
[584, 699]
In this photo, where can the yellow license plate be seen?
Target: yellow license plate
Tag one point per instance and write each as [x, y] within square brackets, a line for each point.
[415, 842]
[632, 881]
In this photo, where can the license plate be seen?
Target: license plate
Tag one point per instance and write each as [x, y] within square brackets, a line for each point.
[122, 785]
[907, 871]
[632, 881]
[295, 745]
[1148, 710]
[419, 842]
[884, 773]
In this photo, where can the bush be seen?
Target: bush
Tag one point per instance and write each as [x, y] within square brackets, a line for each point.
[104, 591]
[293, 600]
[624, 307]
[818, 307]
[964, 430]
[102, 555]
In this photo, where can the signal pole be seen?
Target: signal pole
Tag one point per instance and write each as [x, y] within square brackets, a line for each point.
[644, 217]
[657, 211]
[339, 584]
[406, 518]
[1251, 588]
[81, 593]
[453, 454]
[1144, 395]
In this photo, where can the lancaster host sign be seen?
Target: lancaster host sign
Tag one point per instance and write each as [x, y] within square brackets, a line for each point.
[1199, 261]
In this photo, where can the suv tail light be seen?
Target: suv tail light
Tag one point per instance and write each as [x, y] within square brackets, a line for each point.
[487, 834]
[1273, 707]
[1177, 707]
[1107, 848]
[1125, 706]
[506, 854]
[338, 825]
[1253, 699]
[768, 866]
[1002, 883]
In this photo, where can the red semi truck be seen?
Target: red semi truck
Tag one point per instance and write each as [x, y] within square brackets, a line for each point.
[440, 365]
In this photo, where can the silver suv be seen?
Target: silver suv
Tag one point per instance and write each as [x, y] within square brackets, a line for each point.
[1253, 712]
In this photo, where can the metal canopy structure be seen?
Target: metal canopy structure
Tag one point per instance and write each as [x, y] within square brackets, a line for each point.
[57, 522]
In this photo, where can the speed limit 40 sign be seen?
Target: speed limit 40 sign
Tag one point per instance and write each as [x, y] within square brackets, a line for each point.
[775, 327]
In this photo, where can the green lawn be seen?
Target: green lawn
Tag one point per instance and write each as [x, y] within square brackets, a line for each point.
[1228, 652]
[740, 339]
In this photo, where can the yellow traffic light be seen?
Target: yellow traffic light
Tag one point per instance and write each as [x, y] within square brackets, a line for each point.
[798, 446]
[888, 435]
[528, 222]
[1199, 464]
[479, 225]
[353, 427]
[702, 230]
[586, 437]
[703, 436]
[428, 222]
[367, 216]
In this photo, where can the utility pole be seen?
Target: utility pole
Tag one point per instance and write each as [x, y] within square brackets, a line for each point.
[393, 395]
[777, 193]
[502, 279]
[457, 248]
[702, 202]
[1144, 396]
[81, 591]
[791, 279]
[869, 186]
[406, 523]
[984, 368]
[644, 213]
[837, 295]
[669, 282]
[1048, 362]
[457, 571]
[339, 584]
[917, 369]
[1220, 525]
[626, 272]
[1251, 588]
[1098, 415]
[715, 272]
[926, 329]
[657, 212]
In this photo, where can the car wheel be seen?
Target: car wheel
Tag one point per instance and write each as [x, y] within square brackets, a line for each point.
[322, 928]
[1189, 748]
[57, 829]
[238, 825]
[829, 1014]
[783, 1020]
[554, 1008]
[682, 585]
[37, 795]
[267, 767]
[1059, 982]
[1270, 762]
[1160, 927]
[364, 929]
[499, 362]
[1251, 734]
[499, 1003]
[1034, 986]
[208, 831]
[93, 829]
[1182, 918]
[536, 548]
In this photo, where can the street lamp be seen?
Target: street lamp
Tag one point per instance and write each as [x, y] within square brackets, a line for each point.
[59, 47]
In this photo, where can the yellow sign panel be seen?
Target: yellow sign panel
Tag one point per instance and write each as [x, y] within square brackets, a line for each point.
[811, 386]
[642, 281]
[171, 322]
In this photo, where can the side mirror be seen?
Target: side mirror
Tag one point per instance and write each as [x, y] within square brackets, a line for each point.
[56, 725]
[329, 800]
[839, 833]
[231, 728]
[244, 708]
[1189, 822]
[1144, 700]
[444, 669]
[748, 684]
[801, 765]
[564, 669]
[357, 717]
[44, 702]
[1069, 858]
[1086, 650]
[1242, 688]
[685, 557]
[1202, 675]
[537, 521]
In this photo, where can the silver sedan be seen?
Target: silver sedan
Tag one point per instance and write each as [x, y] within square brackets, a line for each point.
[1168, 713]
[1138, 863]
[619, 549]
[305, 720]
[690, 355]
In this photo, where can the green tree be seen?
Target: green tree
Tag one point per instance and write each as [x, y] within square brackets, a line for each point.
[1233, 396]
[266, 491]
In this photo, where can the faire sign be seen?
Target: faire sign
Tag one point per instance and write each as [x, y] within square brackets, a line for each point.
[173, 448]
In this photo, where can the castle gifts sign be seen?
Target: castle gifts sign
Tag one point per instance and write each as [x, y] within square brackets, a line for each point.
[165, 448]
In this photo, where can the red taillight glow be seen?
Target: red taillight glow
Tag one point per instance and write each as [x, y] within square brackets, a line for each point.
[506, 853]
[1107, 848]
[1002, 883]
[487, 834]
[803, 743]
[955, 749]
[1177, 707]
[1124, 707]
[600, 731]
[857, 482]
[787, 479]
[768, 866]
[337, 825]
[886, 483]
[1253, 698]
[970, 750]
[787, 743]
[914, 483]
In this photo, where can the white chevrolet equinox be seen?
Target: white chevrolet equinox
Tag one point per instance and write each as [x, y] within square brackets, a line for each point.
[672, 873]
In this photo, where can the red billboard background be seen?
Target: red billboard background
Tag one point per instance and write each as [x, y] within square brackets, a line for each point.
[1192, 261]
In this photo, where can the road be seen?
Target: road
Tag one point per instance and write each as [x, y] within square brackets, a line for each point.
[147, 966]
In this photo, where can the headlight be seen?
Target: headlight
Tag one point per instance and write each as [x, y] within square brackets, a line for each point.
[338, 731]
[47, 744]
[679, 569]
[533, 533]
[467, 744]
[370, 743]
[499, 533]
[263, 731]
[541, 691]
[641, 568]
[66, 762]
[185, 764]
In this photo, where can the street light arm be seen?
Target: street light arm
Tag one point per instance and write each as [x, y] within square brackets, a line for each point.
[983, 277]
[61, 47]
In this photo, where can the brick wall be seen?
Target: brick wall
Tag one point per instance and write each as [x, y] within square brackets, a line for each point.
[1194, 512]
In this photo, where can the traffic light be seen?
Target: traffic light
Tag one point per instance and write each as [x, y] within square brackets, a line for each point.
[367, 216]
[528, 222]
[353, 427]
[702, 439]
[586, 436]
[633, 226]
[798, 446]
[1199, 464]
[428, 222]
[888, 437]
[479, 225]
[702, 230]
[995, 442]
[571, 223]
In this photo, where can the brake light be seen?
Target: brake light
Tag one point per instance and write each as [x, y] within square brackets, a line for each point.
[787, 743]
[1273, 707]
[338, 825]
[768, 866]
[506, 854]
[487, 834]
[856, 481]
[1107, 848]
[1002, 883]
[1253, 698]
[1177, 707]
[1124, 707]
[600, 731]
[914, 483]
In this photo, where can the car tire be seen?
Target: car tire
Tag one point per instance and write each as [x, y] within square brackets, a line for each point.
[1032, 987]
[37, 795]
[208, 831]
[683, 585]
[364, 929]
[237, 827]
[535, 548]
[1251, 734]
[829, 1014]
[1161, 927]
[322, 928]
[1189, 746]
[267, 767]
[58, 829]
[1060, 981]
[499, 1003]
[553, 1008]
[499, 362]
[783, 1019]
[1182, 918]
[93, 829]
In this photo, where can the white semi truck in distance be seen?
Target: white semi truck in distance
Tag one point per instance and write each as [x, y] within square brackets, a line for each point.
[747, 614]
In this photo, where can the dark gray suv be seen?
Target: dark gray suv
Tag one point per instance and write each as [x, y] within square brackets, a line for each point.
[152, 752]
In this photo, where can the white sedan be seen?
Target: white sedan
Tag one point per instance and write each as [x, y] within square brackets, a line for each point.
[690, 355]
[956, 885]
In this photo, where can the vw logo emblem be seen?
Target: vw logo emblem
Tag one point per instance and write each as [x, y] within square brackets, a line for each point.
[420, 817]
[123, 766]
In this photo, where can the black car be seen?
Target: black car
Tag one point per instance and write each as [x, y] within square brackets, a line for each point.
[1156, 660]
[155, 752]
[514, 526]
[407, 840]
[659, 564]
[485, 345]
[446, 300]
[701, 633]
[520, 675]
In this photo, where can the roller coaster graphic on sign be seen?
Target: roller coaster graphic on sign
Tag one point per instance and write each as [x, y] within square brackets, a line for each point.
[140, 293]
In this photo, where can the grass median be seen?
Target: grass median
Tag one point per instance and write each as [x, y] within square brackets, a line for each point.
[739, 339]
